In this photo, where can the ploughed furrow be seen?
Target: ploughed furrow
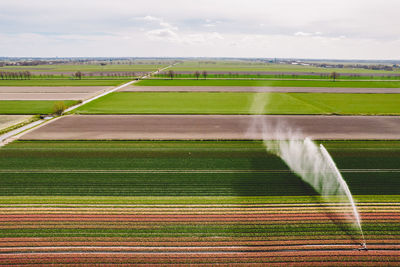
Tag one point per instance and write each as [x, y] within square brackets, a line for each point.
[194, 218]
[248, 234]
[344, 258]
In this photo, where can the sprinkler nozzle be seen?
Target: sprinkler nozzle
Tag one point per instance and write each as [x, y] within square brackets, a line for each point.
[363, 247]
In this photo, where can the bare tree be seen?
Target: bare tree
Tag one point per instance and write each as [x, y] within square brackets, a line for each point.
[171, 74]
[334, 75]
[59, 107]
[78, 75]
[204, 73]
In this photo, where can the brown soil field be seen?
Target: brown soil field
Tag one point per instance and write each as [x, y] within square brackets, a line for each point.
[50, 93]
[219, 127]
[259, 89]
[303, 258]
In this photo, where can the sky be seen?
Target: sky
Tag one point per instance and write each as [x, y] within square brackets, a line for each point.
[320, 29]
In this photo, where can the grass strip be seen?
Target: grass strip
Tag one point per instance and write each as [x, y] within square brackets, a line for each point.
[31, 106]
[186, 200]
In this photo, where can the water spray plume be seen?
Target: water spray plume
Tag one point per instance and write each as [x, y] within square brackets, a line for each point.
[312, 163]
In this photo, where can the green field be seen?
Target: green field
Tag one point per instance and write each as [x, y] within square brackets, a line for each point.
[277, 76]
[232, 66]
[266, 83]
[64, 82]
[240, 103]
[30, 106]
[186, 201]
[130, 168]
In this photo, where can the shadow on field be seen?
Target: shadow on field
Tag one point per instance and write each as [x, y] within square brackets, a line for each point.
[271, 177]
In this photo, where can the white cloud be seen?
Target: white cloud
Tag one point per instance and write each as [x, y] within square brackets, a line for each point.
[303, 34]
[307, 34]
[151, 18]
[273, 28]
[163, 34]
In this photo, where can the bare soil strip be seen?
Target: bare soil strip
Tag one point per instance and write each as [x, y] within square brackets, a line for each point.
[49, 89]
[212, 127]
[10, 120]
[44, 96]
[259, 89]
[50, 93]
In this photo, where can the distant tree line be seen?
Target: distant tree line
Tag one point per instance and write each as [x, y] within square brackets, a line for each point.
[171, 74]
[20, 75]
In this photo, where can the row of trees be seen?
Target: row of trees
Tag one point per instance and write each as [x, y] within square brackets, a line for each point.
[26, 75]
[79, 74]
[20, 75]
[171, 74]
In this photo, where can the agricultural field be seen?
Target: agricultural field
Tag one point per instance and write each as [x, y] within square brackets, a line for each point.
[64, 82]
[44, 99]
[240, 103]
[274, 83]
[50, 93]
[197, 202]
[87, 68]
[214, 127]
[9, 122]
[242, 66]
[152, 185]
[31, 106]
[280, 76]
[258, 89]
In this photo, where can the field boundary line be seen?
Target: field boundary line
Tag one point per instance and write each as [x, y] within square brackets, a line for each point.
[98, 96]
[115, 89]
[15, 134]
[199, 171]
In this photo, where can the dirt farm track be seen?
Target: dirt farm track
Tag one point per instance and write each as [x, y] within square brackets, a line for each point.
[260, 89]
[221, 127]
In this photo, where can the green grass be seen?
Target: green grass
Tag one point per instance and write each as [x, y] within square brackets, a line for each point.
[277, 76]
[60, 201]
[241, 103]
[64, 82]
[278, 83]
[235, 66]
[30, 106]
[78, 168]
[347, 104]
[202, 230]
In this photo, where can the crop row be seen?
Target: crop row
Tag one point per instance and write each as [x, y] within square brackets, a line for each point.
[182, 184]
[248, 155]
[346, 258]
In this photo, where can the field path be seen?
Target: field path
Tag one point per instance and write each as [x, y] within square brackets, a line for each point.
[114, 89]
[11, 136]
[260, 89]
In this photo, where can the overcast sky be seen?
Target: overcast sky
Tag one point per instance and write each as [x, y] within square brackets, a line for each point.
[337, 29]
